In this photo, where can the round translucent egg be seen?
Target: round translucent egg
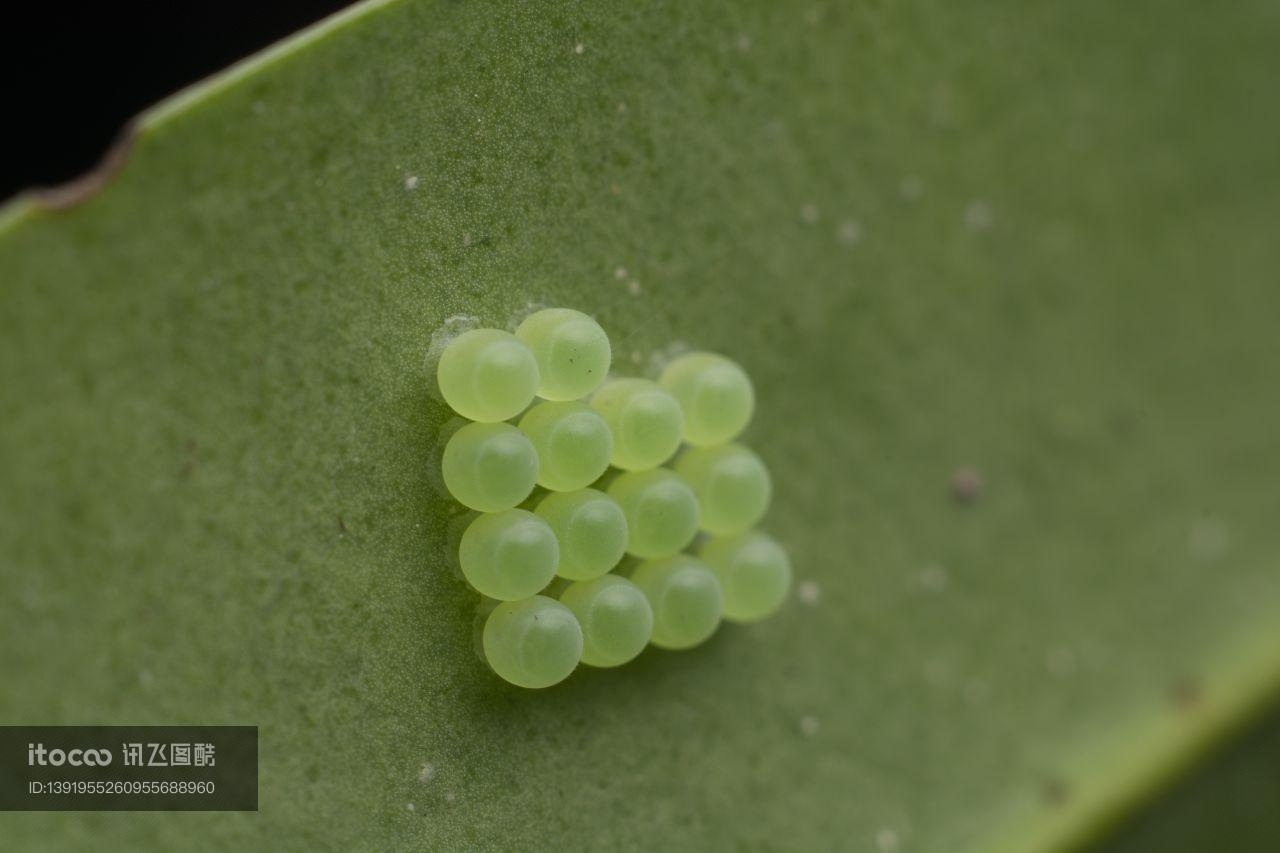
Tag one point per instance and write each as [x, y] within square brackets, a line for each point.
[574, 444]
[571, 349]
[645, 420]
[661, 511]
[615, 616]
[487, 375]
[685, 597]
[715, 394]
[591, 529]
[731, 483]
[535, 642]
[490, 467]
[754, 572]
[509, 555]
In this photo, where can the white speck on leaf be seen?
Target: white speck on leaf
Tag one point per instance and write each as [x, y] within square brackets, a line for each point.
[809, 725]
[633, 287]
[933, 578]
[426, 773]
[809, 593]
[744, 42]
[850, 232]
[411, 182]
[809, 213]
[409, 806]
[887, 840]
[911, 188]
[1208, 539]
[978, 215]
[620, 273]
[1060, 661]
[579, 48]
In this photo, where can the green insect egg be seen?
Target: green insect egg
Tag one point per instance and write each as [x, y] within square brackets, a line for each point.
[615, 616]
[715, 394]
[754, 572]
[487, 375]
[535, 642]
[645, 420]
[732, 486]
[661, 511]
[591, 529]
[490, 467]
[685, 597]
[572, 351]
[509, 555]
[573, 442]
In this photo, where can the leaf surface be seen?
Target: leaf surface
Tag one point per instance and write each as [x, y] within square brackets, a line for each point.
[1030, 244]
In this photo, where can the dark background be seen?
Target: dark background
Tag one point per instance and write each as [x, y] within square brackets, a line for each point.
[80, 71]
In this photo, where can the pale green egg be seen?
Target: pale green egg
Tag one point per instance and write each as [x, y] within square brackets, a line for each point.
[591, 529]
[509, 555]
[685, 597]
[490, 467]
[731, 483]
[535, 642]
[572, 351]
[754, 572]
[487, 375]
[645, 420]
[715, 394]
[574, 444]
[661, 511]
[615, 616]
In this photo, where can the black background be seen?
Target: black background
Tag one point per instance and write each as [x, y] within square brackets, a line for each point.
[77, 72]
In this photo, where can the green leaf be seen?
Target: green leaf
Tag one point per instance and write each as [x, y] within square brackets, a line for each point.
[1022, 254]
[1231, 804]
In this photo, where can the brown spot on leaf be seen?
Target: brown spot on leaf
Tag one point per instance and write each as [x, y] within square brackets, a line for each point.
[1186, 694]
[966, 484]
[1055, 792]
[85, 187]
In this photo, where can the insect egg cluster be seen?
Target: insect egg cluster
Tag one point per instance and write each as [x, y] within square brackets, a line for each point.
[643, 526]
